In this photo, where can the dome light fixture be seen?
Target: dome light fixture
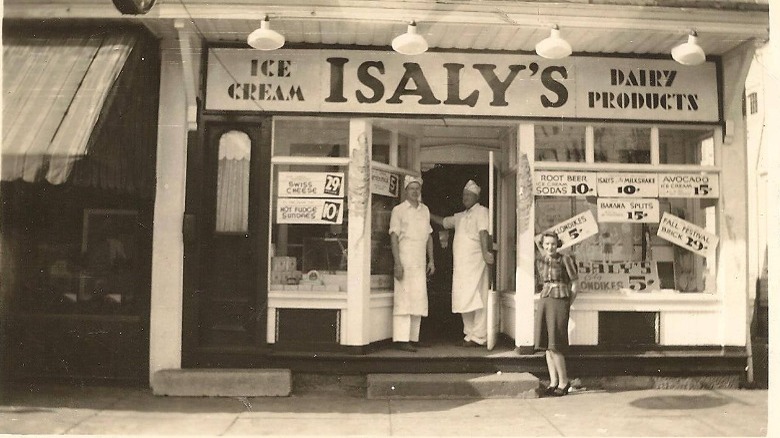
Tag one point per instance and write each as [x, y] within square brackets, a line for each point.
[410, 43]
[690, 52]
[265, 38]
[553, 47]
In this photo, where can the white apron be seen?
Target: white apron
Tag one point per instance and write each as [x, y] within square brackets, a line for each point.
[411, 293]
[469, 270]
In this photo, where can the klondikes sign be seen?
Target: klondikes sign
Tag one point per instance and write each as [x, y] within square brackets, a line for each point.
[474, 84]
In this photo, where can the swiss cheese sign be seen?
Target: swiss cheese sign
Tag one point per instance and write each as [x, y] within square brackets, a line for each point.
[311, 185]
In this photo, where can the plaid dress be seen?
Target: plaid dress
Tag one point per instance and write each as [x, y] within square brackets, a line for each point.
[555, 274]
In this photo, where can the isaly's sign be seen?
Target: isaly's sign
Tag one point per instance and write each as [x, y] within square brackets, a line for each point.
[510, 85]
[618, 276]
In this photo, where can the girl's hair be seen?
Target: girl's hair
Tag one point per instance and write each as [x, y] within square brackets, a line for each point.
[558, 241]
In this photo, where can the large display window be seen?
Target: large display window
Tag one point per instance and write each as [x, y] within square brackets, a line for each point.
[309, 230]
[633, 227]
[317, 221]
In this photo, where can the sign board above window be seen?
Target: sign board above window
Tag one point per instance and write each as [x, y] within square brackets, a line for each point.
[470, 84]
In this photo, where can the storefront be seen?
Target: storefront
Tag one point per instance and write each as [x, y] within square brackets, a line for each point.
[277, 170]
[632, 182]
[78, 176]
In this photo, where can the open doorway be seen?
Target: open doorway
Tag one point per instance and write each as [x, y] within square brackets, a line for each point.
[442, 190]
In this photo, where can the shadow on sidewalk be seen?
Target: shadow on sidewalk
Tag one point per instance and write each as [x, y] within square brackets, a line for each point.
[702, 401]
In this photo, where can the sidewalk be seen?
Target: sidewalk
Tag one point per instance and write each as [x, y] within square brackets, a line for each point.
[58, 409]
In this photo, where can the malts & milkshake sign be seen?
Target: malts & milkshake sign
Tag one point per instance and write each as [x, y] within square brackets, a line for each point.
[511, 85]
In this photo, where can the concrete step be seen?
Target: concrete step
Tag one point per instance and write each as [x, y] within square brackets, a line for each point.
[223, 382]
[454, 385]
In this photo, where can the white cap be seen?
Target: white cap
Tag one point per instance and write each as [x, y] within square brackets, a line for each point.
[408, 179]
[472, 187]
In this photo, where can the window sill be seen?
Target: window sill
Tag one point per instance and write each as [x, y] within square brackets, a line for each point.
[289, 299]
[653, 301]
[635, 301]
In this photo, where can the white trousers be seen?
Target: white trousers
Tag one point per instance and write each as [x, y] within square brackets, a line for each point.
[406, 328]
[475, 326]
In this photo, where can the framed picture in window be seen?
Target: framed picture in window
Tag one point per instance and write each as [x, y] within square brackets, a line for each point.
[109, 254]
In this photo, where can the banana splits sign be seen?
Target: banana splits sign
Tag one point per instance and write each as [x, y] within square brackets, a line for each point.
[473, 84]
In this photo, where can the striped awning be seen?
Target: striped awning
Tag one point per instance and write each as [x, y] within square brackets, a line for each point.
[55, 85]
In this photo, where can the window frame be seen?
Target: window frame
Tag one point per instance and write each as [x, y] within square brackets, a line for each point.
[655, 166]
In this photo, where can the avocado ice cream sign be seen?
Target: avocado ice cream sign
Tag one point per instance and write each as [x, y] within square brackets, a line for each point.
[438, 83]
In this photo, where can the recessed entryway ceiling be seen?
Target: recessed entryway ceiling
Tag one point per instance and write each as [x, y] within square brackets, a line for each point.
[443, 132]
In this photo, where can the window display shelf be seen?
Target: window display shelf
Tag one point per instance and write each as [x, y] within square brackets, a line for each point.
[655, 301]
[307, 300]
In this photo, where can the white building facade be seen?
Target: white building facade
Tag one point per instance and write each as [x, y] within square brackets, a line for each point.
[276, 171]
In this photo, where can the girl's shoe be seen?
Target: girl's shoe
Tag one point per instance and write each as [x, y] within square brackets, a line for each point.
[560, 392]
[549, 391]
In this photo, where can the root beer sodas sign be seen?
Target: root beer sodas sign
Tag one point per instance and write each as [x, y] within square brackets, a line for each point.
[511, 85]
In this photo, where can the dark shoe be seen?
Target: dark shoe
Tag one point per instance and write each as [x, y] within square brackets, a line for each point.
[550, 391]
[469, 344]
[560, 392]
[404, 346]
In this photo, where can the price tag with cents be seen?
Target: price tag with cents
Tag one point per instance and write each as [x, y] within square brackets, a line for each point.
[688, 185]
[639, 185]
[309, 211]
[310, 185]
[628, 210]
[574, 230]
[687, 235]
[557, 183]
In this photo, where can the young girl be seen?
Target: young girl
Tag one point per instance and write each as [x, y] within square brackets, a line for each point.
[558, 275]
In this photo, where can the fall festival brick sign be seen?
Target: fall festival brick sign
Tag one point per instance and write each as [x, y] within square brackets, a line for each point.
[446, 83]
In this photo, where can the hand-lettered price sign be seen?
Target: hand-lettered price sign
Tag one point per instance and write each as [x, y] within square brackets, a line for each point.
[574, 230]
[628, 210]
[639, 185]
[617, 276]
[384, 183]
[311, 185]
[555, 183]
[688, 185]
[309, 211]
[687, 235]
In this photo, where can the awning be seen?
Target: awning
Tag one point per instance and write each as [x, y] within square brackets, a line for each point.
[55, 85]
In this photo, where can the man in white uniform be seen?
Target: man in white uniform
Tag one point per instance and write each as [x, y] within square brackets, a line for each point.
[410, 239]
[470, 257]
